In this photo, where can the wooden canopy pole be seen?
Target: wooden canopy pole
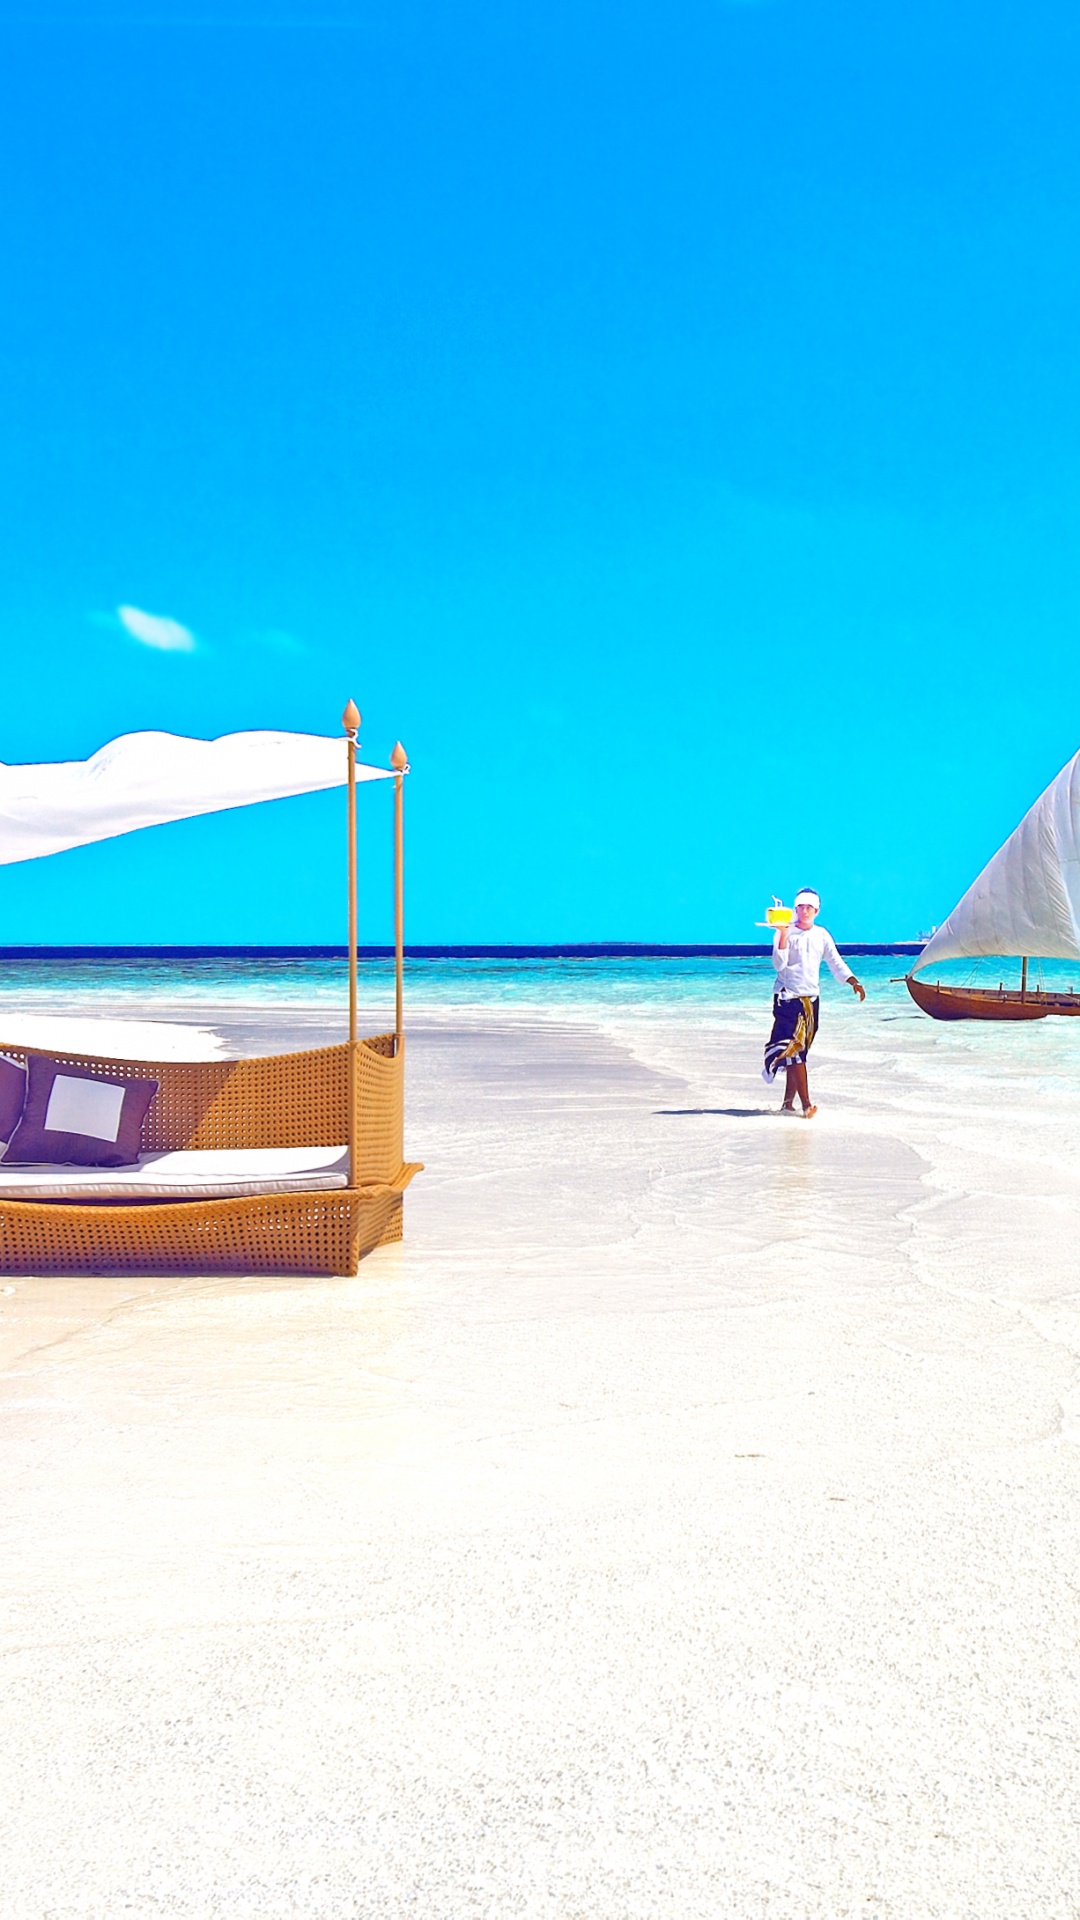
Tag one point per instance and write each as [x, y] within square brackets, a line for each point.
[399, 760]
[350, 720]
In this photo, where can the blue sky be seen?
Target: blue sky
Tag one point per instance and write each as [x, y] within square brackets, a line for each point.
[665, 420]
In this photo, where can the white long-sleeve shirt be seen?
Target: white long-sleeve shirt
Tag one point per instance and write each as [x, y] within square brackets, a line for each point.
[798, 965]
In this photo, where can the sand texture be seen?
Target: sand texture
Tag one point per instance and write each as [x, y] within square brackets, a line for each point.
[683, 1523]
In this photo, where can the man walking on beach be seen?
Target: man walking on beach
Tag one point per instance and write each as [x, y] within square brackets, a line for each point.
[798, 952]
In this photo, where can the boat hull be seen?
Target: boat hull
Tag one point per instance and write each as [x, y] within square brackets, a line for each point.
[988, 1003]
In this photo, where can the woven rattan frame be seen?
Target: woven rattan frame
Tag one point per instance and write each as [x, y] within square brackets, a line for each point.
[280, 1100]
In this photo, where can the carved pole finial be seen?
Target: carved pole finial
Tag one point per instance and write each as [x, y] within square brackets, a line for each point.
[350, 719]
[399, 759]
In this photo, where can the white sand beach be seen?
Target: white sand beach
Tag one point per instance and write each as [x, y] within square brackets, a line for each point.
[684, 1521]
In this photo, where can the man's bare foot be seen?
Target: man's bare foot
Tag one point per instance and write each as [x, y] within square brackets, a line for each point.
[789, 1107]
[807, 1112]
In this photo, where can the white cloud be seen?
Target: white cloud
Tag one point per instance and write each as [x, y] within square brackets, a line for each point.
[154, 630]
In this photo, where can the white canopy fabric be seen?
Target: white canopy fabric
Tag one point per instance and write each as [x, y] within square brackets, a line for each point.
[1027, 900]
[145, 779]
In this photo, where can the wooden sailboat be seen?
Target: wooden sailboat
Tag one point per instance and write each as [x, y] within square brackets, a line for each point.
[1025, 901]
[989, 1003]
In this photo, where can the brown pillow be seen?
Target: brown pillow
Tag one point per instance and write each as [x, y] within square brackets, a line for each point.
[79, 1119]
[12, 1094]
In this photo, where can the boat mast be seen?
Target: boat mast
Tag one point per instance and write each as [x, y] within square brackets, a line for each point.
[1023, 977]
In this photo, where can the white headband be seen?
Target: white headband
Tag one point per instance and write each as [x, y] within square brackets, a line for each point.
[806, 897]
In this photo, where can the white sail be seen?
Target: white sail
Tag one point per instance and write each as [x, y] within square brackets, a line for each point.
[1027, 899]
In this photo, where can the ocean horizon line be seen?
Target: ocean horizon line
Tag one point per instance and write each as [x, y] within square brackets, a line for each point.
[560, 950]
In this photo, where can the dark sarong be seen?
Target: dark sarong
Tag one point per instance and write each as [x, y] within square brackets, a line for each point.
[795, 1022]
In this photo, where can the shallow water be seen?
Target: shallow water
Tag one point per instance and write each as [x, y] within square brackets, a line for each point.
[978, 1062]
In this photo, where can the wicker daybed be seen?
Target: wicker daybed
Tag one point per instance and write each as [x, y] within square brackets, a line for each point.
[293, 1163]
[203, 1107]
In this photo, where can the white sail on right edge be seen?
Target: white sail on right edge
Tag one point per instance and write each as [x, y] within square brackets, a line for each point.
[1027, 900]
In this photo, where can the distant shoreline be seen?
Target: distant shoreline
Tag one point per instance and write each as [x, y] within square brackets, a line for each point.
[567, 950]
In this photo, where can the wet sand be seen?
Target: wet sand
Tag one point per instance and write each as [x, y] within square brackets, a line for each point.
[682, 1522]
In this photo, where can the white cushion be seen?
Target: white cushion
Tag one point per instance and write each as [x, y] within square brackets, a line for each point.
[84, 1106]
[220, 1174]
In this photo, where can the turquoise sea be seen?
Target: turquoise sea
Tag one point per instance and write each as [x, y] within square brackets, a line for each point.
[625, 985]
